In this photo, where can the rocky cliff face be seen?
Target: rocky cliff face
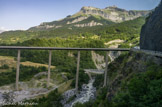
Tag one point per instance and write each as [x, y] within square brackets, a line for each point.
[90, 24]
[114, 13]
[151, 34]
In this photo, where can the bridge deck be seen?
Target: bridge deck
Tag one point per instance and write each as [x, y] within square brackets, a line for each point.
[56, 48]
[95, 71]
[149, 52]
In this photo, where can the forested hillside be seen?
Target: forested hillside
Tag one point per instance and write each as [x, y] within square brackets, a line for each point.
[134, 79]
[128, 31]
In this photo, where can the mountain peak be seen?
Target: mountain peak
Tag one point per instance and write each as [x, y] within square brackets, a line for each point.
[88, 8]
[113, 13]
[112, 7]
[115, 8]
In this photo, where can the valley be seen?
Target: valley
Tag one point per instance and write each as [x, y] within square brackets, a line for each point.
[133, 78]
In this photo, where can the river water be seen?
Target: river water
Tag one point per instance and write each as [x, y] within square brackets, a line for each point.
[87, 93]
[1, 96]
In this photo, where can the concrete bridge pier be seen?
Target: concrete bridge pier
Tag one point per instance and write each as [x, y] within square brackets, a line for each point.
[17, 70]
[106, 67]
[49, 68]
[77, 72]
[88, 73]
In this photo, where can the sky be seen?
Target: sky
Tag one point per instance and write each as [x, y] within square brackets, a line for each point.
[23, 14]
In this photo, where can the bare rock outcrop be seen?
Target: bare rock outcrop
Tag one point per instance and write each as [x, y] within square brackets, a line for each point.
[90, 24]
[114, 13]
[151, 34]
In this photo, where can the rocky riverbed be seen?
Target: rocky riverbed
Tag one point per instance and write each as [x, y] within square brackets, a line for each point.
[16, 96]
[87, 93]
[32, 88]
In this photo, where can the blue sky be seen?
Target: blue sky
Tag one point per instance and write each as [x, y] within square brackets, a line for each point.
[22, 14]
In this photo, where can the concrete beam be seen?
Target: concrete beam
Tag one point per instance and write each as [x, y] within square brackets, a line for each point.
[49, 68]
[89, 74]
[106, 67]
[56, 48]
[77, 72]
[18, 70]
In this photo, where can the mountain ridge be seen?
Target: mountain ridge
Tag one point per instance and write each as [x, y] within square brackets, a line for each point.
[91, 16]
[115, 31]
[110, 11]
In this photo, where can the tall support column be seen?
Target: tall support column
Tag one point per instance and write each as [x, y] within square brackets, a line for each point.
[106, 66]
[49, 68]
[18, 70]
[77, 73]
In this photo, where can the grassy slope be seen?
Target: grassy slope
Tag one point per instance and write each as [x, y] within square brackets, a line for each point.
[11, 62]
[125, 30]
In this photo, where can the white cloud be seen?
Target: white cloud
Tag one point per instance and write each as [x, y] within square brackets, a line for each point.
[3, 29]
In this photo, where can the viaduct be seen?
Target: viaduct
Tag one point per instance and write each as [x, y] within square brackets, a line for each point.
[19, 48]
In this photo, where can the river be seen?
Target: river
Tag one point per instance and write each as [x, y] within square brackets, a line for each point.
[86, 94]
